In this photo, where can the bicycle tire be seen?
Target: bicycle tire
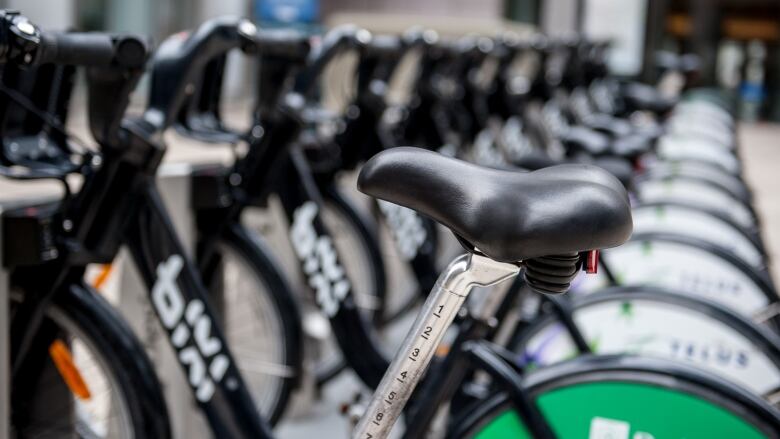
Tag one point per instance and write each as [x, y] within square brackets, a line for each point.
[758, 345]
[103, 329]
[744, 411]
[639, 247]
[270, 289]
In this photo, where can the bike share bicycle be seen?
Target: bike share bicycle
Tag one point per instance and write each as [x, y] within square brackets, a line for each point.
[117, 204]
[52, 310]
[275, 165]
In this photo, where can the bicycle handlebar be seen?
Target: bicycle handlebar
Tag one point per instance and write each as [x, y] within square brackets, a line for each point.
[115, 63]
[283, 54]
[394, 46]
[334, 42]
[284, 43]
[182, 57]
[384, 46]
[91, 49]
[23, 43]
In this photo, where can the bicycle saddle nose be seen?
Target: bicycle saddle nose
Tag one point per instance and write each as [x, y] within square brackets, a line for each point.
[507, 215]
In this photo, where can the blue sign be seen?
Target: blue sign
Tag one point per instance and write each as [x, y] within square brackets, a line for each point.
[287, 11]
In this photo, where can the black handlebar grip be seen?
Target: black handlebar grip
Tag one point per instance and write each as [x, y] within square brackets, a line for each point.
[91, 49]
[283, 43]
[86, 49]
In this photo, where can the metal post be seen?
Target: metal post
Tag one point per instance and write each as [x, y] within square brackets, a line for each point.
[704, 37]
[656, 26]
[5, 361]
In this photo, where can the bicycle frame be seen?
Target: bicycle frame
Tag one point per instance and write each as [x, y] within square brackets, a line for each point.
[276, 164]
[364, 136]
[261, 172]
[181, 303]
[119, 204]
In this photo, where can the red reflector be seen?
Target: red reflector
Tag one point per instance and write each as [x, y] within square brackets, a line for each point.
[639, 165]
[592, 262]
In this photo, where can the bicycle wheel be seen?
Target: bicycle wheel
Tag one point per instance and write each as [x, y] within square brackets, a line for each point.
[626, 397]
[260, 318]
[354, 320]
[690, 266]
[702, 171]
[681, 219]
[94, 379]
[660, 323]
[697, 193]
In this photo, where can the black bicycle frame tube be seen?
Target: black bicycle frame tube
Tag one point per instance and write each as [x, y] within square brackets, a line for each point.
[561, 307]
[181, 302]
[40, 283]
[319, 262]
[481, 356]
[30, 337]
[121, 205]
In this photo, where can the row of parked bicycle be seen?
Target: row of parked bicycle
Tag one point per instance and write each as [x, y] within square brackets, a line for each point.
[527, 150]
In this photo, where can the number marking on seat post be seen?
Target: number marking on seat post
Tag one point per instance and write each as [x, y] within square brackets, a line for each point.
[428, 335]
[419, 345]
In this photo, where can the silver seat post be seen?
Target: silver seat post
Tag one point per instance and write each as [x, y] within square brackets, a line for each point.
[416, 352]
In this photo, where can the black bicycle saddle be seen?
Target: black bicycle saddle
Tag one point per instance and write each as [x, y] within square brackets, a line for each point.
[507, 215]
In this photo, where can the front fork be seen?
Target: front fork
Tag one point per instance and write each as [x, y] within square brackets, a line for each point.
[31, 335]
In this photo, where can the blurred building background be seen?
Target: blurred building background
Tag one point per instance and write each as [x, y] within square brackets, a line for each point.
[736, 40]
